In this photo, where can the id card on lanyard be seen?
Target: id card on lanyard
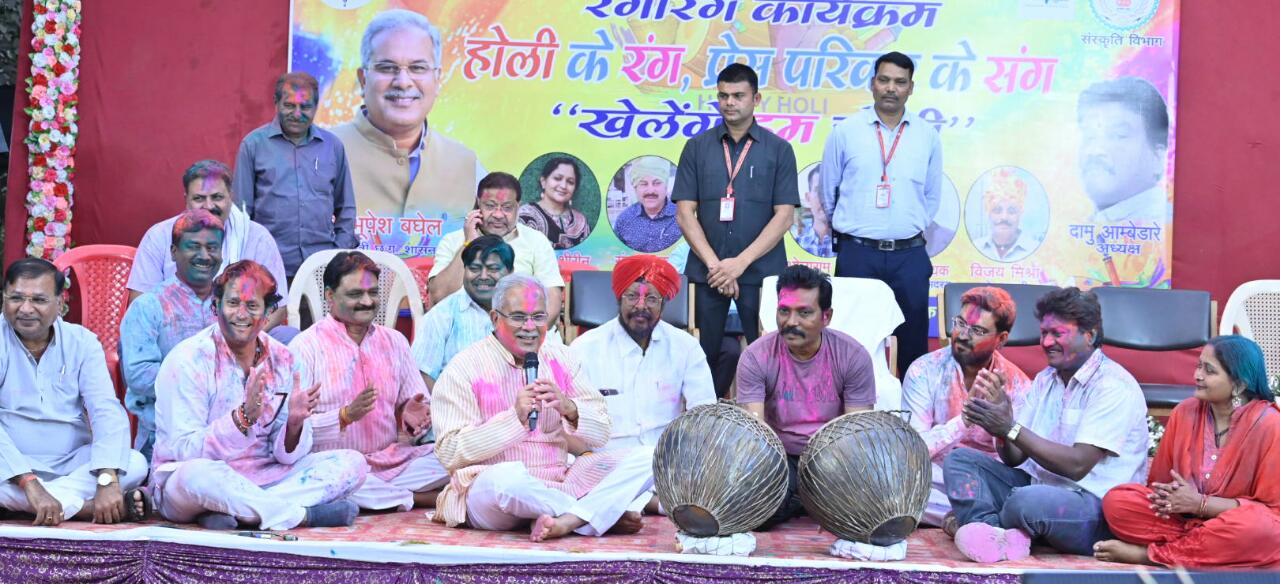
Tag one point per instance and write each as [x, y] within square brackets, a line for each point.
[884, 193]
[727, 203]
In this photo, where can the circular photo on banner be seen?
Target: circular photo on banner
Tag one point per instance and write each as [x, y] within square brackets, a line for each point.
[1006, 214]
[811, 227]
[942, 230]
[639, 204]
[560, 198]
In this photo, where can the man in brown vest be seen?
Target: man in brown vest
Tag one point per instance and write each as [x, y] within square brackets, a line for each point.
[399, 164]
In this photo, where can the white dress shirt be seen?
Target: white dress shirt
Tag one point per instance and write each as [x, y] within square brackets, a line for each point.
[653, 386]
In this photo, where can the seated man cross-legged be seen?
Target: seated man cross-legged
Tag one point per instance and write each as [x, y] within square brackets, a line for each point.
[64, 438]
[1082, 431]
[372, 398]
[233, 424]
[509, 467]
[804, 374]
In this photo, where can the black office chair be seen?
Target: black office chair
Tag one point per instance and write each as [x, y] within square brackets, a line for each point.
[1026, 329]
[592, 303]
[1148, 319]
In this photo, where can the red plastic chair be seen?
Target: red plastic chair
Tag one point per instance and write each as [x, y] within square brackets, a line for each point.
[421, 267]
[101, 272]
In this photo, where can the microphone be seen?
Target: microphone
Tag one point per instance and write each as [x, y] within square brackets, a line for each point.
[530, 374]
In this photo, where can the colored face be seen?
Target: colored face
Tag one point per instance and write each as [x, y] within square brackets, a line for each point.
[560, 185]
[516, 320]
[481, 276]
[973, 336]
[31, 306]
[1117, 159]
[737, 101]
[498, 209]
[890, 88]
[1212, 382]
[198, 257]
[1064, 344]
[211, 194]
[296, 110]
[800, 318]
[355, 300]
[1005, 216]
[241, 311]
[652, 193]
[401, 80]
[640, 309]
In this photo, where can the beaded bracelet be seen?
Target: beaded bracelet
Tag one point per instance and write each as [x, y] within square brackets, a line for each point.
[241, 421]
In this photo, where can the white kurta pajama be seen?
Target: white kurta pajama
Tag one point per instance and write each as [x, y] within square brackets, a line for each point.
[60, 419]
[503, 474]
[327, 355]
[204, 463]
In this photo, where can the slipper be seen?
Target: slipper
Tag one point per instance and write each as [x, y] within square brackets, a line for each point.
[130, 509]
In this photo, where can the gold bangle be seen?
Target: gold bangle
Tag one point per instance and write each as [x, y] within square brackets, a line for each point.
[343, 420]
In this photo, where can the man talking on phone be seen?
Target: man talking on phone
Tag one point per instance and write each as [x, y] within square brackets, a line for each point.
[497, 205]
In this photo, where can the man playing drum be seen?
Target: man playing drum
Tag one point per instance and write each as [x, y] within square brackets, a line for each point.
[804, 374]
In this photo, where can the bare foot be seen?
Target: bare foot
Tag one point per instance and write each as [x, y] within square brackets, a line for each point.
[653, 506]
[1114, 550]
[547, 527]
[628, 524]
[425, 499]
[950, 525]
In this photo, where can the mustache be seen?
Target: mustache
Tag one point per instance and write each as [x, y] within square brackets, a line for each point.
[365, 307]
[793, 330]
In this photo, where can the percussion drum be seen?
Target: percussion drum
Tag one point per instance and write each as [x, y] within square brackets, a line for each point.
[719, 471]
[866, 477]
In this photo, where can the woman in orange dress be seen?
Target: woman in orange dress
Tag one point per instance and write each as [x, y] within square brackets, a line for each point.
[1213, 498]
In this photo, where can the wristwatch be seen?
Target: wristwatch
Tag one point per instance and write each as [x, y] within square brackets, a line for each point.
[105, 479]
[1013, 432]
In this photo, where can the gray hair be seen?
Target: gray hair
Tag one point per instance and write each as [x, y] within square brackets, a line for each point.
[516, 282]
[396, 19]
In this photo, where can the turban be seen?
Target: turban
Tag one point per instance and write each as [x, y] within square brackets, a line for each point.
[1004, 185]
[653, 269]
[649, 166]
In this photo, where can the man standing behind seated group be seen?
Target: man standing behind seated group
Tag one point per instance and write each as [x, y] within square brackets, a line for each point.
[233, 428]
[804, 374]
[649, 371]
[207, 186]
[399, 163]
[496, 205]
[292, 177]
[60, 422]
[370, 391]
[937, 385]
[1082, 431]
[509, 468]
[157, 321]
[462, 318]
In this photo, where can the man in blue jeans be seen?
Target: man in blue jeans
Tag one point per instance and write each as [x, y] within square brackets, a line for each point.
[1082, 431]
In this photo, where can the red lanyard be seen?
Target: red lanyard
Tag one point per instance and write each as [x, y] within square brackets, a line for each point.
[885, 159]
[732, 168]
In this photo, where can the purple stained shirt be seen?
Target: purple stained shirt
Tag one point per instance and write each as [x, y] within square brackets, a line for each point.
[800, 396]
[153, 264]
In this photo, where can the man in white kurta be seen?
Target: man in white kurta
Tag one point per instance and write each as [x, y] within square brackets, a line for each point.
[59, 462]
[233, 433]
[372, 398]
[506, 469]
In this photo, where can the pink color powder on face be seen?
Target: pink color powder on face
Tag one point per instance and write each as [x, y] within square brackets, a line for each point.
[367, 279]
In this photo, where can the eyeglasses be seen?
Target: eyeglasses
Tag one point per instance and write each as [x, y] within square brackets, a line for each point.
[419, 70]
[490, 206]
[35, 300]
[960, 325]
[519, 318]
[651, 300]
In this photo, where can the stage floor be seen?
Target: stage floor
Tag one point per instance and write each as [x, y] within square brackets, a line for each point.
[412, 537]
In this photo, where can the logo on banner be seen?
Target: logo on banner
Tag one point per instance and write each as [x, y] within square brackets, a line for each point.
[1124, 14]
[346, 4]
[1046, 9]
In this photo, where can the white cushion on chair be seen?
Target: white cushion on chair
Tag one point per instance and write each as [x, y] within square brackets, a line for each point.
[394, 285]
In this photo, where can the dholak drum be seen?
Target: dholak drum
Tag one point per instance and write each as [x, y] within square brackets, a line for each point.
[866, 477]
[719, 471]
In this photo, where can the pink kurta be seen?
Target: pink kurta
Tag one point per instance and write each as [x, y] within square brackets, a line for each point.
[477, 426]
[326, 354]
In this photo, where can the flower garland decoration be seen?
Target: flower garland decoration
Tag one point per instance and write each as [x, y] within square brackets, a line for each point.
[1155, 431]
[52, 130]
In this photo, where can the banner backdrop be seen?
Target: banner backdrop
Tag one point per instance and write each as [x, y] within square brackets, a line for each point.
[1056, 116]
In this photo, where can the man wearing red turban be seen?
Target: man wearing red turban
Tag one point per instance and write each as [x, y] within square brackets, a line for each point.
[649, 371]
